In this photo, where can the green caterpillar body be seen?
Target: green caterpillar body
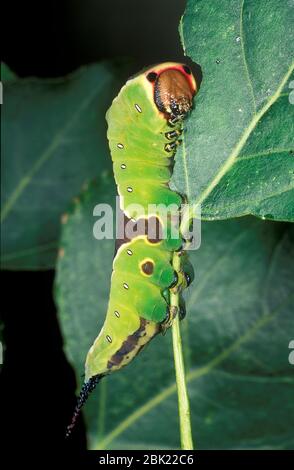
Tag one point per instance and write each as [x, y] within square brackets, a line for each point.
[137, 138]
[144, 125]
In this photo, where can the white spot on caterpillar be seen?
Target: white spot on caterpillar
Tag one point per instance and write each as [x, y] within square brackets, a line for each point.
[138, 108]
[129, 252]
[108, 338]
[129, 189]
[120, 146]
[123, 166]
[116, 313]
[125, 285]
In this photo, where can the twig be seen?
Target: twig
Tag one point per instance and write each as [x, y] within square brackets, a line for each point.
[183, 399]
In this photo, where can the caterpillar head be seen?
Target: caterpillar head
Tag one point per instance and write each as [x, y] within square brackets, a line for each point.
[174, 89]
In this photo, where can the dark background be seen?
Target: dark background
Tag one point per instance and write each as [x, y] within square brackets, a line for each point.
[53, 37]
[50, 39]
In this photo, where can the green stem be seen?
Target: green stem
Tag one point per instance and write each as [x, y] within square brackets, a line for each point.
[183, 399]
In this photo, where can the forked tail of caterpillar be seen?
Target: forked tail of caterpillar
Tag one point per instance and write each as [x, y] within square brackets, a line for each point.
[87, 388]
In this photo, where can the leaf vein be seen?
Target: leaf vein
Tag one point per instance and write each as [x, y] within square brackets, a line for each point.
[238, 147]
[191, 376]
[45, 155]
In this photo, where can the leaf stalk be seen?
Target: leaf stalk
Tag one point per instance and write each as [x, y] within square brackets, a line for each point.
[183, 398]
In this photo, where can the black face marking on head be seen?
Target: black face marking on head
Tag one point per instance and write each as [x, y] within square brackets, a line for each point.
[187, 69]
[175, 109]
[151, 76]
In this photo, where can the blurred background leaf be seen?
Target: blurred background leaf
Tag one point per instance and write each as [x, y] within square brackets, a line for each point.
[55, 140]
[235, 337]
[7, 74]
[237, 156]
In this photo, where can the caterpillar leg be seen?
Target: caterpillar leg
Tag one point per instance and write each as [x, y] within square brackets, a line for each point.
[184, 278]
[182, 308]
[188, 278]
[171, 313]
[170, 135]
[188, 270]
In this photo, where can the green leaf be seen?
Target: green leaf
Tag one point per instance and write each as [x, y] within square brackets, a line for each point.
[7, 74]
[54, 141]
[237, 156]
[235, 336]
